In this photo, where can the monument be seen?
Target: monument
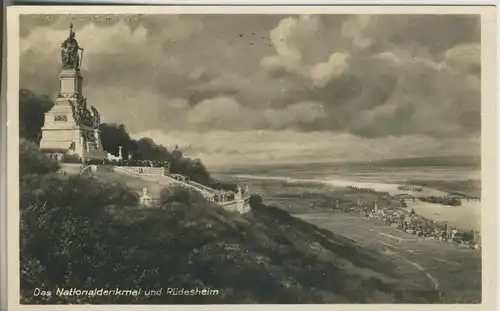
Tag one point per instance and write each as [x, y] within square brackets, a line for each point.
[146, 199]
[71, 127]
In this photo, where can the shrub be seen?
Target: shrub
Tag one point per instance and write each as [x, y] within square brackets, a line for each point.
[60, 226]
[33, 161]
[63, 225]
[177, 194]
[255, 202]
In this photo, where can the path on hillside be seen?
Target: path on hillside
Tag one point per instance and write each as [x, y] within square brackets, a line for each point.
[386, 251]
[435, 283]
[390, 252]
[207, 191]
[154, 183]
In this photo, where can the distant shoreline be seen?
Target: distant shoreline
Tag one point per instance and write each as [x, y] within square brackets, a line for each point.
[438, 161]
[467, 216]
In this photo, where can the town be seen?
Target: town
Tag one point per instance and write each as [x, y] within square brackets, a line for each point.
[404, 218]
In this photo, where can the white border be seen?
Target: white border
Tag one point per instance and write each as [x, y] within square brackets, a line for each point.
[270, 2]
[488, 112]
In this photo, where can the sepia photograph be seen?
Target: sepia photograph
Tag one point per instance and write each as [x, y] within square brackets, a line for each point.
[170, 156]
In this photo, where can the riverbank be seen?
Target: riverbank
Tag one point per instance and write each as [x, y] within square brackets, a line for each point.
[322, 193]
[467, 216]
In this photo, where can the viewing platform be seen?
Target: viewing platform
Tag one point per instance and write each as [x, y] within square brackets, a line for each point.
[230, 200]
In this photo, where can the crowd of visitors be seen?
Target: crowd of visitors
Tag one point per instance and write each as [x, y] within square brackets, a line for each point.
[140, 163]
[225, 195]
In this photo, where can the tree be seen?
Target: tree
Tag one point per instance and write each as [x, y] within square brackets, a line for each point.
[32, 113]
[114, 136]
[32, 109]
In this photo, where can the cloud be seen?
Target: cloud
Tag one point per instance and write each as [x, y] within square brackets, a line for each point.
[335, 66]
[226, 113]
[220, 113]
[296, 116]
[355, 27]
[372, 78]
[222, 148]
[291, 38]
[465, 58]
[287, 38]
[428, 35]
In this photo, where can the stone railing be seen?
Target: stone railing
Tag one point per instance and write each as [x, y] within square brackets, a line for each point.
[122, 169]
[143, 170]
[200, 186]
[240, 200]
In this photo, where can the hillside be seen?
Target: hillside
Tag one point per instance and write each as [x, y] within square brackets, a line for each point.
[134, 183]
[266, 256]
[70, 238]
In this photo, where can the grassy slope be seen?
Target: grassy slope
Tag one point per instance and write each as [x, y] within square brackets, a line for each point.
[265, 256]
[135, 183]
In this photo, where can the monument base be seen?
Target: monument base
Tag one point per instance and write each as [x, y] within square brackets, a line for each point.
[61, 135]
[60, 142]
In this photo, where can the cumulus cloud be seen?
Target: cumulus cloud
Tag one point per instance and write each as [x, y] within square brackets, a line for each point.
[392, 89]
[374, 79]
[291, 38]
[335, 66]
[287, 38]
[217, 113]
[354, 28]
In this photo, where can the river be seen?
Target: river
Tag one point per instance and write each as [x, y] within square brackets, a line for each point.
[386, 178]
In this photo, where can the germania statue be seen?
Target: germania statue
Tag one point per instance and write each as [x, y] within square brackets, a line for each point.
[69, 51]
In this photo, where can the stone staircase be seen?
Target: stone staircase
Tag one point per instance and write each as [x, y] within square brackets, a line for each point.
[240, 203]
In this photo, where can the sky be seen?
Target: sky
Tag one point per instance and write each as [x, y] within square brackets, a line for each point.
[252, 89]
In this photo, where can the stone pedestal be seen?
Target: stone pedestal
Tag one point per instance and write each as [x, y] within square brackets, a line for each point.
[71, 81]
[63, 132]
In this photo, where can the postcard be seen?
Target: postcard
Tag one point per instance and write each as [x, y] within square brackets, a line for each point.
[329, 156]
